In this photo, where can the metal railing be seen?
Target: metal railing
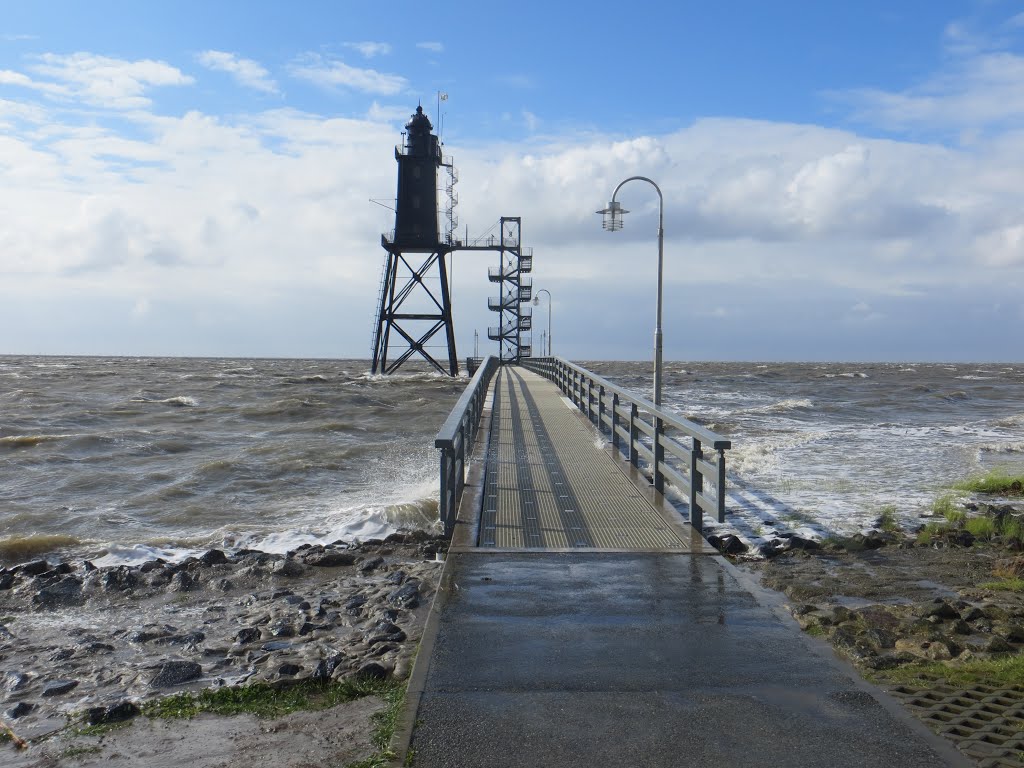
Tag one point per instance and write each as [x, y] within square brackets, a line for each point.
[455, 441]
[640, 430]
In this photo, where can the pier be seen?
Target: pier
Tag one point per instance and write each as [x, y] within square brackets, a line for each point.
[583, 620]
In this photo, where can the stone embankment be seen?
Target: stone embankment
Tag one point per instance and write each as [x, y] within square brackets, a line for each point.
[76, 638]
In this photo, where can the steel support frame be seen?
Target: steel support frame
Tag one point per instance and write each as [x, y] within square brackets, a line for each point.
[409, 326]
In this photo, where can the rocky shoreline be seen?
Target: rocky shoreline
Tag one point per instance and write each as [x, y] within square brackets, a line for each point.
[80, 640]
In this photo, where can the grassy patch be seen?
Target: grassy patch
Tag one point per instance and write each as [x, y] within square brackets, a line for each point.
[981, 527]
[995, 482]
[887, 519]
[265, 700]
[1004, 585]
[995, 672]
[101, 729]
[72, 752]
[929, 532]
[385, 722]
[948, 507]
[815, 630]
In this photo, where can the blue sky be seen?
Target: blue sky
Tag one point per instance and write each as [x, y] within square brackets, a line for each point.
[842, 181]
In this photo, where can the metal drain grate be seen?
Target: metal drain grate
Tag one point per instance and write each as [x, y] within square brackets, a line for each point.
[986, 723]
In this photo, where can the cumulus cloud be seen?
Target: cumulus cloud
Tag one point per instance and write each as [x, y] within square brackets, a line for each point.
[247, 72]
[104, 81]
[370, 49]
[333, 73]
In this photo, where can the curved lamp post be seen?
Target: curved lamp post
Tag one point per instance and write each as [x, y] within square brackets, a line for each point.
[613, 222]
[536, 303]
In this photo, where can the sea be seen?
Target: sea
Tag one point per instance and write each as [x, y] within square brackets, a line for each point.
[120, 460]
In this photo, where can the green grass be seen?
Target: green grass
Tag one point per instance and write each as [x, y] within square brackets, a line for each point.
[101, 729]
[997, 481]
[981, 527]
[385, 722]
[887, 519]
[929, 532]
[998, 673]
[948, 507]
[815, 630]
[265, 700]
[72, 752]
[1004, 585]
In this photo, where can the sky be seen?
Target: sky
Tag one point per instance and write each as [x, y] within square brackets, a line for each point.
[841, 181]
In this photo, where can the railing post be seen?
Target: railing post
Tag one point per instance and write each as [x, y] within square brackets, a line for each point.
[615, 420]
[721, 485]
[446, 514]
[696, 487]
[659, 454]
[600, 408]
[634, 436]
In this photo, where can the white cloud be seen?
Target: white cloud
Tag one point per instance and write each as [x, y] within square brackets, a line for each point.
[332, 73]
[100, 80]
[433, 46]
[531, 120]
[249, 73]
[370, 49]
[978, 91]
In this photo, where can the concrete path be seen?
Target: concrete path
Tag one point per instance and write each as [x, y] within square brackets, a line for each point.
[640, 660]
[581, 623]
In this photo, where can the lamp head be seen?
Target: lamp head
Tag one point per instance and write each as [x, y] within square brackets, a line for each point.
[612, 220]
[536, 300]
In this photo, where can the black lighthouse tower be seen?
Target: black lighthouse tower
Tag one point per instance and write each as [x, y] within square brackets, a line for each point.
[414, 306]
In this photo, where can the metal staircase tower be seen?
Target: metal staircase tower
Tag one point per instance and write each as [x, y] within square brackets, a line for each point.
[515, 290]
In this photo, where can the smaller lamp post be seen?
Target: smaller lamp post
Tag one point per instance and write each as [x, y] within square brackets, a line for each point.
[536, 303]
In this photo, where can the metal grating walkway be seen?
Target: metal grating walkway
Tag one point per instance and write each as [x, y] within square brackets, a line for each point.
[550, 485]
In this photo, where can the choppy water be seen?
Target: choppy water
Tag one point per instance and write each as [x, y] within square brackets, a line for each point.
[131, 456]
[823, 447]
[128, 455]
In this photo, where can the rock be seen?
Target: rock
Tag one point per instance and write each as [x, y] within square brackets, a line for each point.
[385, 632]
[799, 542]
[288, 567]
[6, 580]
[372, 670]
[183, 581]
[1011, 632]
[733, 545]
[371, 563]
[115, 713]
[289, 669]
[173, 673]
[276, 645]
[247, 635]
[325, 668]
[34, 568]
[59, 687]
[398, 577]
[407, 596]
[213, 557]
[119, 579]
[62, 593]
[307, 628]
[16, 681]
[283, 629]
[5, 633]
[329, 558]
[972, 614]
[62, 654]
[998, 645]
[20, 709]
[353, 605]
[938, 608]
[771, 549]
[880, 638]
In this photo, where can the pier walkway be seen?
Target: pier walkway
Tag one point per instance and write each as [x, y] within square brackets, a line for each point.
[579, 624]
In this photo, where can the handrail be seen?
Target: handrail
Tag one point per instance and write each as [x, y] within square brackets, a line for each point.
[455, 441]
[607, 405]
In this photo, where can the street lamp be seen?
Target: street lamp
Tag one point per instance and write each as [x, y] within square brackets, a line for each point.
[536, 303]
[612, 222]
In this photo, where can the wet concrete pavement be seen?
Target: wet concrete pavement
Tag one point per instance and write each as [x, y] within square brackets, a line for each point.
[591, 659]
